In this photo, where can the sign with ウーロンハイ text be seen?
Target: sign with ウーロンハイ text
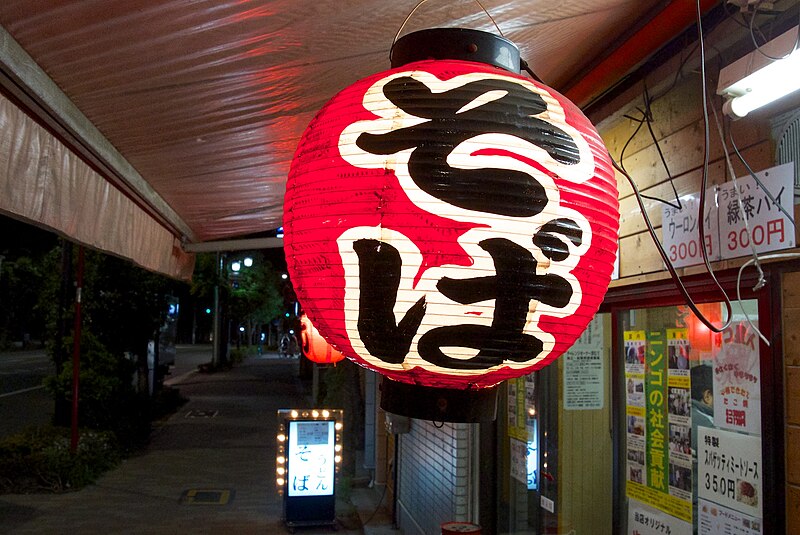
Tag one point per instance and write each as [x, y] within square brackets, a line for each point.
[681, 230]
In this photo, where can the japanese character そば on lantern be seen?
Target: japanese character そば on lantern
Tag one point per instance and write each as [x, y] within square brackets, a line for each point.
[450, 224]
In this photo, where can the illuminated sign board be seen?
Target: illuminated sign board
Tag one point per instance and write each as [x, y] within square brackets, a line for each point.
[308, 456]
[311, 458]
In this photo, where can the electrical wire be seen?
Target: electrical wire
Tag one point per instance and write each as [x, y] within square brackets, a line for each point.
[739, 285]
[670, 267]
[758, 180]
[377, 507]
[753, 29]
[761, 279]
[408, 17]
[701, 225]
[647, 117]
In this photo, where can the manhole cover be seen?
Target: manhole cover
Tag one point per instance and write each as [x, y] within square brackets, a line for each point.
[207, 496]
[201, 414]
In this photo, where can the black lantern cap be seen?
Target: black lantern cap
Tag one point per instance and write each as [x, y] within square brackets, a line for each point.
[456, 43]
[439, 404]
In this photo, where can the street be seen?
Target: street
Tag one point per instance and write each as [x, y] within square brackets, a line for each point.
[25, 402]
[23, 399]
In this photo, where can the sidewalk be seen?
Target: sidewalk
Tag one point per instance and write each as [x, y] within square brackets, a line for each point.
[210, 468]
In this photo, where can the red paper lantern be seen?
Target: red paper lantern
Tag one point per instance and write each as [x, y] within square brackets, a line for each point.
[450, 224]
[315, 347]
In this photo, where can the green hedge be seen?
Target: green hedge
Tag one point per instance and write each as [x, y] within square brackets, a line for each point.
[39, 460]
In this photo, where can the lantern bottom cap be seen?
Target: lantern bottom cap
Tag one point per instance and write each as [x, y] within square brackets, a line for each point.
[439, 404]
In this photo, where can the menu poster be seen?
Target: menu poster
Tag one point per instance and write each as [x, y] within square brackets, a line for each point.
[713, 519]
[730, 470]
[737, 380]
[748, 217]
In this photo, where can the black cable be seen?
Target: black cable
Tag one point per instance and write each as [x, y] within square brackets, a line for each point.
[525, 67]
[753, 30]
[377, 508]
[681, 288]
[758, 181]
[647, 116]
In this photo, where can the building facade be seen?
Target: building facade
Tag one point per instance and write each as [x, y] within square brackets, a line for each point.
[653, 422]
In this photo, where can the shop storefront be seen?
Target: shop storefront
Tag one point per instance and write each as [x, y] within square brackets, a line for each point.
[652, 423]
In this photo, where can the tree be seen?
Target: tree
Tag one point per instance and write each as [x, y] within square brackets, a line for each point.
[254, 297]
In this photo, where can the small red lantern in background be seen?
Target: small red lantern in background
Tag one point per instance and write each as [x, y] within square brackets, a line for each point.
[450, 224]
[315, 347]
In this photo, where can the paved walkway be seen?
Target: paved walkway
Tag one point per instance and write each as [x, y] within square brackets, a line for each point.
[209, 469]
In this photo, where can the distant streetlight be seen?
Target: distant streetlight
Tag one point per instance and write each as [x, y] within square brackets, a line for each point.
[236, 266]
[284, 276]
[248, 262]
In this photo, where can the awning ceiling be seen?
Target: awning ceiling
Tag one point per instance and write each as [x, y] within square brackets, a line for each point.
[206, 100]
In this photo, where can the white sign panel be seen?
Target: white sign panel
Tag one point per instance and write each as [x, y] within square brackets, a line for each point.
[533, 455]
[713, 519]
[311, 458]
[681, 230]
[769, 228]
[519, 460]
[645, 520]
[730, 470]
[584, 369]
[737, 380]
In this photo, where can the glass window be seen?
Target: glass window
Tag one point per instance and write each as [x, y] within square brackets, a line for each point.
[555, 462]
[692, 421]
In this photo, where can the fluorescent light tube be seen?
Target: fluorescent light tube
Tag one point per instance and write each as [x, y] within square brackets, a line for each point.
[756, 80]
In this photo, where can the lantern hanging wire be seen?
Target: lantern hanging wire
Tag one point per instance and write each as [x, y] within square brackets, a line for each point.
[522, 63]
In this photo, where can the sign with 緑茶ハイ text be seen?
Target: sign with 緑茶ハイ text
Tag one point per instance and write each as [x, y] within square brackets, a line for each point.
[739, 216]
[749, 218]
[681, 230]
[730, 469]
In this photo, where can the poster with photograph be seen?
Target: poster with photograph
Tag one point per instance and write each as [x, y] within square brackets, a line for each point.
[678, 350]
[713, 519]
[737, 380]
[730, 470]
[515, 408]
[658, 421]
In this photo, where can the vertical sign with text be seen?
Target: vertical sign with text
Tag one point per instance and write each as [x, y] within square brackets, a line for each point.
[737, 380]
[655, 389]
